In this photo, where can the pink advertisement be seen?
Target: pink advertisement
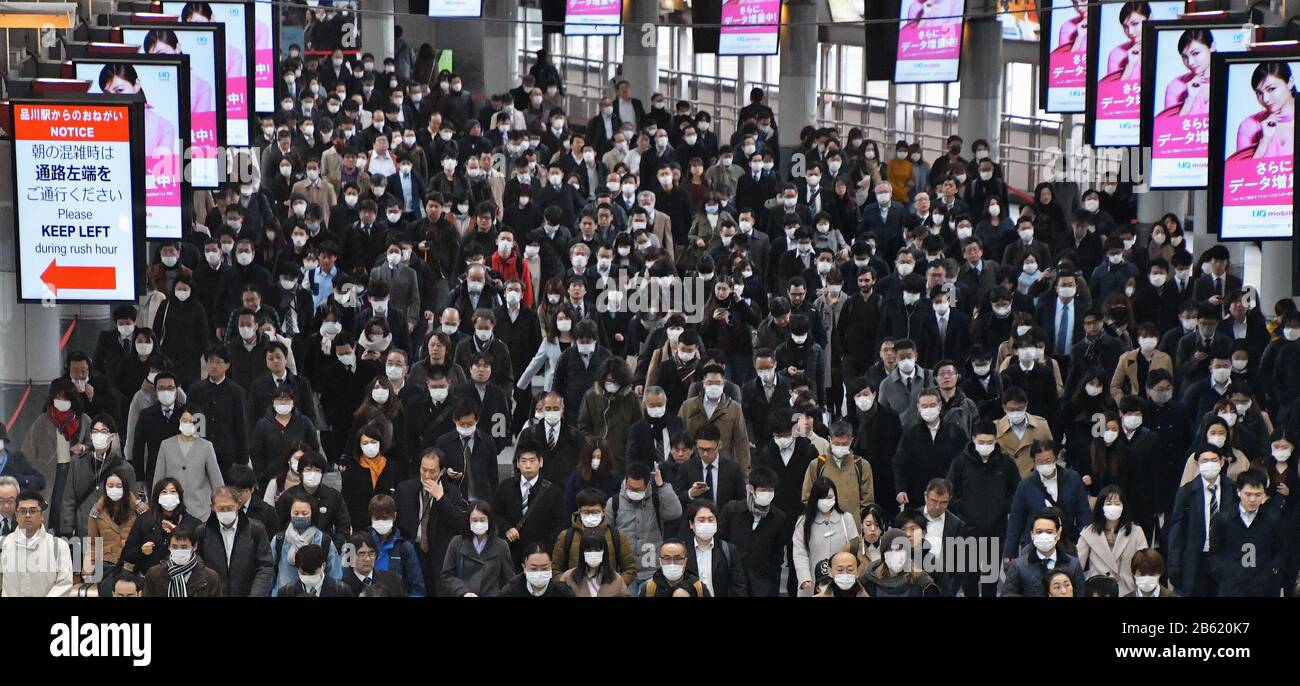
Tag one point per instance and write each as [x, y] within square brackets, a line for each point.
[929, 41]
[1180, 127]
[263, 57]
[1117, 103]
[1067, 56]
[592, 17]
[234, 17]
[160, 84]
[750, 27]
[201, 47]
[1259, 150]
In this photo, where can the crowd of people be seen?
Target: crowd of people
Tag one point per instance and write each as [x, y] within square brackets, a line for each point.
[891, 365]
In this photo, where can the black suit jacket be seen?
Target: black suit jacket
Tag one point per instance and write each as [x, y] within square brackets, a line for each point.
[329, 588]
[760, 548]
[483, 461]
[546, 518]
[493, 413]
[950, 582]
[757, 408]
[731, 486]
[1248, 561]
[1187, 528]
[558, 462]
[151, 429]
[1047, 319]
[251, 569]
[889, 231]
[388, 582]
[448, 518]
[640, 439]
[729, 578]
[108, 353]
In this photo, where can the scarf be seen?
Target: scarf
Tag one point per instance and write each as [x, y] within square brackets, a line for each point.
[375, 465]
[67, 423]
[758, 511]
[297, 540]
[178, 576]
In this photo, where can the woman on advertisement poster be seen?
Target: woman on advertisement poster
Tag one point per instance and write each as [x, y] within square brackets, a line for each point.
[166, 42]
[159, 134]
[1189, 93]
[1124, 63]
[1073, 34]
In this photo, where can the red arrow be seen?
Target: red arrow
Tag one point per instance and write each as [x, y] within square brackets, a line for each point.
[79, 278]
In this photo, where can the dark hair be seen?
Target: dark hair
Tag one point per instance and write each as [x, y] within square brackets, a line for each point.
[486, 508]
[1125, 522]
[156, 513]
[589, 497]
[130, 578]
[821, 488]
[592, 540]
[309, 557]
[701, 504]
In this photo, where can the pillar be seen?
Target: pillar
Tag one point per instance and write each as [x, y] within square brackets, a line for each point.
[980, 103]
[375, 26]
[798, 78]
[501, 69]
[641, 47]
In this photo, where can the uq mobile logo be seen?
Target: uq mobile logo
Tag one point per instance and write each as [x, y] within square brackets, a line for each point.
[94, 639]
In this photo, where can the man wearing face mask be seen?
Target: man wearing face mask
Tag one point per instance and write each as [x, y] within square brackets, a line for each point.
[1198, 348]
[649, 440]
[1052, 485]
[1196, 506]
[237, 548]
[1045, 552]
[940, 168]
[984, 480]
[713, 407]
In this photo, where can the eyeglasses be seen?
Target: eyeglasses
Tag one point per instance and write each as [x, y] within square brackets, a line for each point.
[29, 511]
[680, 559]
[366, 553]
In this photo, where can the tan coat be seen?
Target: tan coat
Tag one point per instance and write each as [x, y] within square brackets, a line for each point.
[613, 589]
[1234, 469]
[663, 231]
[101, 528]
[322, 193]
[1018, 448]
[854, 487]
[730, 422]
[1098, 558]
[1127, 370]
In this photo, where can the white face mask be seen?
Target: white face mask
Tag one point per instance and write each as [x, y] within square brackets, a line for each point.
[1045, 542]
[671, 572]
[379, 395]
[825, 505]
[592, 521]
[705, 530]
[311, 479]
[764, 498]
[181, 557]
[1146, 583]
[1281, 454]
[1112, 512]
[845, 581]
[895, 560]
[656, 411]
[1109, 436]
[1210, 470]
[864, 402]
[169, 501]
[984, 449]
[187, 428]
[114, 493]
[382, 526]
[1047, 471]
[1216, 440]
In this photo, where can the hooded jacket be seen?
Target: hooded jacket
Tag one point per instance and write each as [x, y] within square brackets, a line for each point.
[568, 549]
[982, 490]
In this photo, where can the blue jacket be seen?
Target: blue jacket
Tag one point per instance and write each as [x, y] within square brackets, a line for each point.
[1031, 498]
[398, 556]
[286, 573]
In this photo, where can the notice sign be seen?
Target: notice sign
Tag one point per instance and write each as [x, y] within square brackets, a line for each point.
[77, 225]
[592, 17]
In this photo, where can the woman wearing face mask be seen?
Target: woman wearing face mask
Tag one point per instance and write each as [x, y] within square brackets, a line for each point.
[895, 575]
[920, 170]
[286, 474]
[1107, 546]
[821, 531]
[593, 574]
[146, 545]
[109, 522]
[1111, 463]
[705, 226]
[478, 564]
[86, 473]
[367, 471]
[182, 327]
[280, 426]
[1049, 218]
[1091, 209]
[56, 438]
[1131, 373]
[190, 459]
[1254, 424]
[1283, 488]
[384, 410]
[1079, 415]
[438, 356]
[607, 414]
[595, 470]
[1217, 434]
[873, 528]
[554, 344]
[549, 303]
[301, 531]
[134, 368]
[899, 172]
[1167, 238]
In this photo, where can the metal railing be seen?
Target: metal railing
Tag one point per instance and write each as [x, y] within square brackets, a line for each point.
[1021, 143]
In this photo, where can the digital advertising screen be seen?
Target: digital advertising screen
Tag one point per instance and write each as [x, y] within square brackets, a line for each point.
[78, 216]
[1019, 20]
[1176, 106]
[593, 17]
[1252, 146]
[1114, 115]
[750, 27]
[456, 9]
[207, 78]
[235, 17]
[265, 19]
[166, 130]
[1064, 58]
[929, 41]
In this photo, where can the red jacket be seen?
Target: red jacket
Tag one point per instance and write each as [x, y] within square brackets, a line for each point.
[514, 267]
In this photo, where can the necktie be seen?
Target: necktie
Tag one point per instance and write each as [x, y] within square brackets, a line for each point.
[422, 534]
[943, 327]
[126, 345]
[1047, 563]
[1218, 285]
[528, 492]
[469, 476]
[907, 383]
[708, 479]
[4, 527]
[1214, 501]
[550, 437]
[1063, 331]
[367, 581]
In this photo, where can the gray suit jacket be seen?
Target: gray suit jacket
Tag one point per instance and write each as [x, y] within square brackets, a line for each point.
[895, 396]
[404, 287]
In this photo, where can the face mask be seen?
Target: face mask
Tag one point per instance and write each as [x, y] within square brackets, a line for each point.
[592, 521]
[283, 409]
[1044, 542]
[62, 405]
[910, 299]
[656, 411]
[930, 414]
[824, 505]
[1281, 454]
[1216, 440]
[1132, 422]
[187, 428]
[382, 526]
[244, 258]
[1093, 390]
[349, 359]
[1239, 365]
[1027, 235]
[671, 572]
[1047, 471]
[586, 348]
[370, 449]
[1147, 584]
[166, 398]
[984, 449]
[1210, 470]
[379, 395]
[845, 581]
[895, 560]
[144, 348]
[705, 530]
[1220, 375]
[981, 369]
[1109, 436]
[181, 558]
[311, 479]
[114, 493]
[169, 501]
[1291, 334]
[1065, 291]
